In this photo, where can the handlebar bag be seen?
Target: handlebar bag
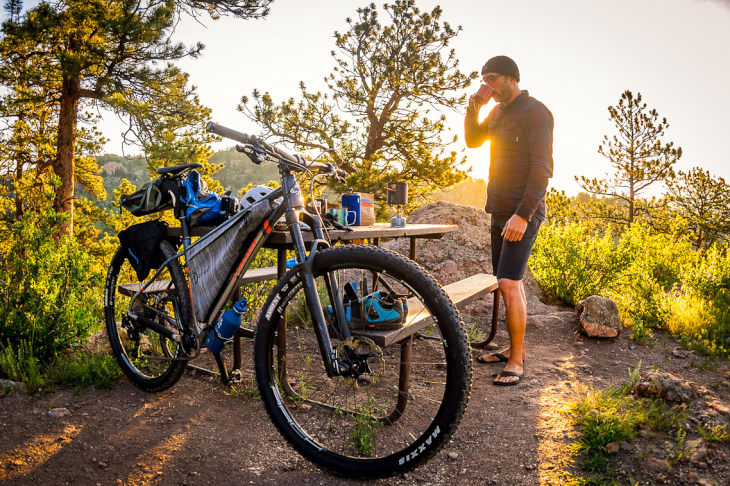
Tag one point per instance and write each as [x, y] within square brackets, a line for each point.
[152, 198]
[205, 208]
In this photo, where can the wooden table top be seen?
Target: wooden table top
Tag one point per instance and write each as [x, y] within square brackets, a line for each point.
[378, 230]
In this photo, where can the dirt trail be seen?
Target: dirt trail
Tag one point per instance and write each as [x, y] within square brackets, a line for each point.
[195, 434]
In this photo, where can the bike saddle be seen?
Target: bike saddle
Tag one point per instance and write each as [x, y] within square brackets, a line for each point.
[177, 170]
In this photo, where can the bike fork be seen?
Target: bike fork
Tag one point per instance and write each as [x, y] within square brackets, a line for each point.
[333, 365]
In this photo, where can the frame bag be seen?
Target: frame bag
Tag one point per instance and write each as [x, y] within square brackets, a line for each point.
[219, 251]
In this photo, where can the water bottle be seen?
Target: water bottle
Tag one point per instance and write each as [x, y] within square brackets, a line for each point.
[226, 327]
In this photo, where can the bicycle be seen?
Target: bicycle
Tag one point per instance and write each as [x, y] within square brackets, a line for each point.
[338, 398]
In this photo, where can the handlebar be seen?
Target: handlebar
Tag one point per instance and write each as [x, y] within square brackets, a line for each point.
[257, 142]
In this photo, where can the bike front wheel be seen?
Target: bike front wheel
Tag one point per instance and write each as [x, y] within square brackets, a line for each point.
[410, 389]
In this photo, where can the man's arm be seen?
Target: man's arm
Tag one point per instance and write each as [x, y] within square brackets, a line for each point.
[539, 128]
[475, 133]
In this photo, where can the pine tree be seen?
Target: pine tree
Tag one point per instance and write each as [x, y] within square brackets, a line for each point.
[376, 119]
[704, 201]
[639, 158]
[112, 54]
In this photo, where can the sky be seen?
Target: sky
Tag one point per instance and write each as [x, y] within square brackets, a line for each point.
[575, 56]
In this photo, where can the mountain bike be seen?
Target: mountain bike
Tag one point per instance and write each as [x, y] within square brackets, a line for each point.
[349, 405]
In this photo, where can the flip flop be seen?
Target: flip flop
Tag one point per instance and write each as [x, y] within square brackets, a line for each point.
[500, 358]
[502, 374]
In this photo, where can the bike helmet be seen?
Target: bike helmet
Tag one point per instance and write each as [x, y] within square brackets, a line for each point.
[254, 195]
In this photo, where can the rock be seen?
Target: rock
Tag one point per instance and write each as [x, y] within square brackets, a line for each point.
[112, 168]
[697, 449]
[706, 482]
[655, 464]
[56, 413]
[304, 408]
[667, 386]
[679, 353]
[598, 317]
[453, 455]
[12, 385]
[719, 407]
[691, 475]
[613, 447]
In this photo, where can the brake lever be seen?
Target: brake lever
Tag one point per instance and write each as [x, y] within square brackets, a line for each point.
[256, 155]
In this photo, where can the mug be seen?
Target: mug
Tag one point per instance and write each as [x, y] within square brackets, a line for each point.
[483, 95]
[343, 216]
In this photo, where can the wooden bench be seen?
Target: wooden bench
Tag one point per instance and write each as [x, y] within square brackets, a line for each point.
[462, 293]
[252, 275]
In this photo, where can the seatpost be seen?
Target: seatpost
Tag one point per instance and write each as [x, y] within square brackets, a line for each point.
[180, 214]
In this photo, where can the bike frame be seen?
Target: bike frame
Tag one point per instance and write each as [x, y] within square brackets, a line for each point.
[291, 207]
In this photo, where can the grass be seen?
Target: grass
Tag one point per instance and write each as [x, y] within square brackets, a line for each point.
[714, 432]
[21, 365]
[85, 369]
[80, 369]
[366, 429]
[615, 415]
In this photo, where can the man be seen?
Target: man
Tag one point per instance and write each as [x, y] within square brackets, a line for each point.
[520, 129]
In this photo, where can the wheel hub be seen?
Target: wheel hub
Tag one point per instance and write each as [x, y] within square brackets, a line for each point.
[365, 359]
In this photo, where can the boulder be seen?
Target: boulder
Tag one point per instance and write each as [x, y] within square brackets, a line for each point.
[463, 253]
[598, 317]
[667, 386]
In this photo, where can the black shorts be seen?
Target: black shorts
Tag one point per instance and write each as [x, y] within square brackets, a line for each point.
[509, 258]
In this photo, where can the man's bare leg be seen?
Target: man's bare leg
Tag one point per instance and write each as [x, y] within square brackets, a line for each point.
[515, 304]
[507, 352]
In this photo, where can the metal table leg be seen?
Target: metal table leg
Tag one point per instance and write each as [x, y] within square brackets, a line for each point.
[281, 329]
[495, 320]
[404, 380]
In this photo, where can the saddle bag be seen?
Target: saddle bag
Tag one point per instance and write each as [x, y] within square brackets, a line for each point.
[158, 195]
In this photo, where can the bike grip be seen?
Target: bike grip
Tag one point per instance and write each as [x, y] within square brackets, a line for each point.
[227, 133]
[340, 174]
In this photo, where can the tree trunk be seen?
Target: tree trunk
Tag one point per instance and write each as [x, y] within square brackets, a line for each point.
[63, 165]
[18, 195]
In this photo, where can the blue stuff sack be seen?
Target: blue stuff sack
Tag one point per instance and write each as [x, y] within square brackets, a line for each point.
[204, 208]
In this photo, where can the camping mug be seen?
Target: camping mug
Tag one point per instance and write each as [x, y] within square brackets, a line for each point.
[483, 95]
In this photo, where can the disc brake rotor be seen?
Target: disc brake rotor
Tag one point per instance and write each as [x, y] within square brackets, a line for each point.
[367, 356]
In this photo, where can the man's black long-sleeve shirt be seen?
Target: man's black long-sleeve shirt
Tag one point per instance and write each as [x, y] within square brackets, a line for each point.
[521, 135]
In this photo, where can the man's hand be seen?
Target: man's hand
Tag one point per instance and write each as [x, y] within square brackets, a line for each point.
[473, 104]
[515, 228]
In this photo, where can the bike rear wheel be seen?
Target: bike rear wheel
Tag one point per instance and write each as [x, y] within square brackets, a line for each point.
[411, 393]
[150, 359]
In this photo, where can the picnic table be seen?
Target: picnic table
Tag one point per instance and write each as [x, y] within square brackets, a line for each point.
[461, 293]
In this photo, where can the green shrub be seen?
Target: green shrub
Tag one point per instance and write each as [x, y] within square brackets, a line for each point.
[51, 290]
[571, 262]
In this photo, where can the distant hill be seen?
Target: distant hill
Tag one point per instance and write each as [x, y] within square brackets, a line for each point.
[471, 192]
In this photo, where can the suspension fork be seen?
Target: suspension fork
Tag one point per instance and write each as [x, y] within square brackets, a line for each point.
[333, 366]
